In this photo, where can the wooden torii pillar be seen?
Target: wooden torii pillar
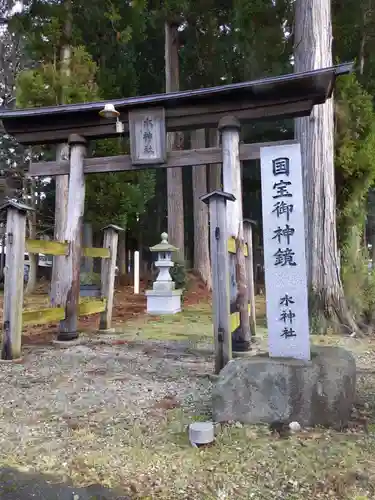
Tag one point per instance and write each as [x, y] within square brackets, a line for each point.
[13, 282]
[217, 201]
[70, 282]
[229, 127]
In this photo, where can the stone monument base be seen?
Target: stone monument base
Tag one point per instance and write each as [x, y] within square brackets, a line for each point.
[263, 389]
[163, 301]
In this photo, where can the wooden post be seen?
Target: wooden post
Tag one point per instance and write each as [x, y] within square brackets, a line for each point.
[2, 254]
[73, 235]
[13, 285]
[248, 237]
[108, 274]
[175, 141]
[136, 272]
[61, 202]
[217, 201]
[229, 127]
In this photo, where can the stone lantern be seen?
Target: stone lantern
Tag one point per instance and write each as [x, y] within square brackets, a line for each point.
[163, 298]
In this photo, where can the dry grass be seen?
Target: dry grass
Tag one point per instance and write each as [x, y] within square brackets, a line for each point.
[158, 462]
[157, 369]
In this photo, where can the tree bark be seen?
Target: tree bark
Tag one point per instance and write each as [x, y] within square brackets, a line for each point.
[62, 181]
[87, 241]
[73, 235]
[232, 183]
[121, 256]
[313, 50]
[366, 11]
[373, 249]
[176, 234]
[2, 257]
[201, 246]
[243, 292]
[371, 224]
[33, 257]
[362, 54]
[215, 169]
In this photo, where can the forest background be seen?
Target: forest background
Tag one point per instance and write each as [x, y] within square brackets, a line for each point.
[60, 52]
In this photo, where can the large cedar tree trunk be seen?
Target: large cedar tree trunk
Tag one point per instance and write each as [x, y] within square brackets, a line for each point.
[313, 50]
[33, 257]
[121, 257]
[174, 141]
[201, 232]
[62, 181]
[87, 241]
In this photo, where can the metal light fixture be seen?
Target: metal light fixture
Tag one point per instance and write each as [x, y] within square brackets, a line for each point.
[108, 112]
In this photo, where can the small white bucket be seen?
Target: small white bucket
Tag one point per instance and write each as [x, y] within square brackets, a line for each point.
[201, 433]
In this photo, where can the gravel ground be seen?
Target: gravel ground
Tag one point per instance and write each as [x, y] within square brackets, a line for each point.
[113, 413]
[60, 403]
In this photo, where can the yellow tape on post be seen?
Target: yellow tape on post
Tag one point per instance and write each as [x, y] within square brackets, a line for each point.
[232, 246]
[235, 319]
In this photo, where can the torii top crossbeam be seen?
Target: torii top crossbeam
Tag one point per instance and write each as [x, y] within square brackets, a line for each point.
[291, 95]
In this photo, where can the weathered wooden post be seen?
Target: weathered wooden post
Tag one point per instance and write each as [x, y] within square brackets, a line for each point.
[108, 271]
[217, 201]
[73, 235]
[2, 243]
[136, 272]
[248, 237]
[13, 284]
[229, 127]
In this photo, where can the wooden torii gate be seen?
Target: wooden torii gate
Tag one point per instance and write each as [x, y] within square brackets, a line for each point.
[147, 120]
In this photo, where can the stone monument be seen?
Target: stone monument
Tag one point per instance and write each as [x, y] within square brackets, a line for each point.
[284, 252]
[163, 298]
[292, 381]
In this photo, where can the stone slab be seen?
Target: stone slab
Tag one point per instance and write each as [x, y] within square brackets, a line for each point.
[163, 302]
[67, 343]
[261, 389]
[284, 251]
[163, 293]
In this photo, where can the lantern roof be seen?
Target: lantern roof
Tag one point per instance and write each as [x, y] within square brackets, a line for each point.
[163, 246]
